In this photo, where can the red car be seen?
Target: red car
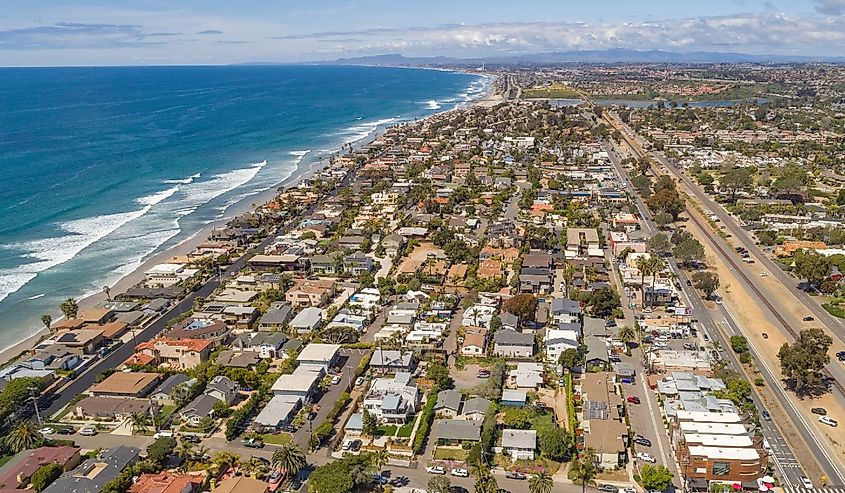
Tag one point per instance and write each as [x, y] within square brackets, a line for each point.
[633, 399]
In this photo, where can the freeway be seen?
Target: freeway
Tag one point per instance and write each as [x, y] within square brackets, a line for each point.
[782, 453]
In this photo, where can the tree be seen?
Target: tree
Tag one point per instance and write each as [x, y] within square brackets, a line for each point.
[516, 418]
[160, 450]
[659, 244]
[812, 266]
[540, 483]
[663, 218]
[626, 334]
[666, 200]
[739, 344]
[69, 308]
[369, 423]
[567, 273]
[802, 362]
[438, 484]
[554, 444]
[23, 435]
[45, 475]
[689, 250]
[140, 422]
[656, 477]
[334, 477]
[706, 281]
[584, 469]
[643, 185]
[47, 320]
[521, 305]
[603, 302]
[655, 265]
[569, 358]
[290, 458]
[440, 375]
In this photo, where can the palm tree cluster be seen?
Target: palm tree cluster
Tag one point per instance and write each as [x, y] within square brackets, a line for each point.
[649, 266]
[289, 459]
[540, 483]
[23, 435]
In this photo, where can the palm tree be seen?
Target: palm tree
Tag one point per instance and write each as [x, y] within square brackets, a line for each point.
[480, 470]
[222, 462]
[47, 320]
[656, 265]
[643, 266]
[380, 459]
[140, 422]
[540, 483]
[626, 334]
[186, 451]
[290, 458]
[69, 308]
[23, 435]
[487, 484]
[567, 273]
[584, 468]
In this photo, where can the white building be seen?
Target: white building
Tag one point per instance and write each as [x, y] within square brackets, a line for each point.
[557, 341]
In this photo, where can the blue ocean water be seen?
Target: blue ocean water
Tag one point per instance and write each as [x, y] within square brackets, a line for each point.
[101, 168]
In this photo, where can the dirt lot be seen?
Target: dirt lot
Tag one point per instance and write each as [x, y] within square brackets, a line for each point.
[412, 262]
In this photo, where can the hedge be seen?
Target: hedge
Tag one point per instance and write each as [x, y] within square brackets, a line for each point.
[426, 418]
[570, 404]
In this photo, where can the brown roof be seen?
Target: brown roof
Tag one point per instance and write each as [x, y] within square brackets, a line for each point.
[489, 269]
[128, 383]
[457, 271]
[112, 330]
[32, 461]
[241, 484]
[68, 323]
[166, 482]
[606, 435]
[189, 344]
[94, 315]
[474, 339]
[109, 406]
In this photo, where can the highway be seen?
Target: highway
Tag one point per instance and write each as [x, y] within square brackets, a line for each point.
[783, 456]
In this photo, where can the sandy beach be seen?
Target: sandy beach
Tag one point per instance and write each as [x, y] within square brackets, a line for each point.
[487, 99]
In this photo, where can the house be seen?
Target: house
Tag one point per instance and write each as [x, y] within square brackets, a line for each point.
[310, 293]
[475, 408]
[392, 400]
[536, 280]
[200, 328]
[172, 389]
[167, 274]
[279, 412]
[238, 359]
[514, 398]
[17, 472]
[350, 242]
[276, 318]
[180, 354]
[448, 403]
[559, 340]
[392, 361]
[241, 484]
[328, 264]
[526, 376]
[513, 344]
[474, 344]
[198, 409]
[86, 341]
[581, 241]
[167, 482]
[519, 444]
[92, 475]
[596, 353]
[357, 264]
[393, 244]
[456, 431]
[323, 355]
[565, 311]
[509, 321]
[126, 384]
[96, 408]
[266, 344]
[307, 321]
[301, 384]
[223, 389]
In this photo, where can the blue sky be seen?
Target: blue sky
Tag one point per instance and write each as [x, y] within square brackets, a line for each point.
[115, 32]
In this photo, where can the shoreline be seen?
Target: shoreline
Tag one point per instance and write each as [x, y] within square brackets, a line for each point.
[303, 171]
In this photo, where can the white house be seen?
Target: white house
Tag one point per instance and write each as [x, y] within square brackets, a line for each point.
[557, 341]
[519, 444]
[392, 400]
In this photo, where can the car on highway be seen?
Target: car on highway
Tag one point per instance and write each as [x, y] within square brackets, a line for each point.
[840, 355]
[641, 440]
[436, 470]
[646, 457]
[515, 475]
[633, 399]
[88, 431]
[766, 415]
[808, 319]
[806, 483]
[608, 488]
[765, 335]
[459, 472]
[819, 410]
[827, 420]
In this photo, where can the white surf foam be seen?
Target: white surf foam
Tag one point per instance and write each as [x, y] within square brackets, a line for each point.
[432, 105]
[184, 181]
[363, 130]
[36, 296]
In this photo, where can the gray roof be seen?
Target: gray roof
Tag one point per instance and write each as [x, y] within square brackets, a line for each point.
[171, 383]
[513, 338]
[509, 319]
[564, 305]
[308, 317]
[595, 327]
[81, 479]
[448, 399]
[476, 405]
[391, 357]
[355, 422]
[278, 410]
[201, 406]
[457, 429]
[522, 439]
[391, 402]
[596, 349]
[237, 358]
[514, 395]
[276, 316]
[223, 384]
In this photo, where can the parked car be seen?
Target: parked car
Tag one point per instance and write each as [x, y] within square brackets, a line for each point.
[826, 420]
[47, 430]
[633, 399]
[808, 319]
[515, 475]
[641, 440]
[88, 431]
[355, 446]
[819, 410]
[646, 457]
[66, 430]
[347, 444]
[436, 470]
[253, 443]
[840, 355]
[483, 373]
[275, 477]
[191, 438]
[608, 488]
[359, 381]
[460, 473]
[163, 434]
[335, 380]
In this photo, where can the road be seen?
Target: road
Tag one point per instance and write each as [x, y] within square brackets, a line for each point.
[783, 455]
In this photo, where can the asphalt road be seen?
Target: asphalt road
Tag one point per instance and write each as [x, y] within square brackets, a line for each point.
[782, 453]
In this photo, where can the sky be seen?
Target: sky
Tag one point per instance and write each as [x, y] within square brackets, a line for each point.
[159, 32]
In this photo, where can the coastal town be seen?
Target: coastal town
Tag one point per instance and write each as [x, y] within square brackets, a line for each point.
[623, 278]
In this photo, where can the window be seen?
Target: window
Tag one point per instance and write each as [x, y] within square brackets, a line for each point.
[721, 468]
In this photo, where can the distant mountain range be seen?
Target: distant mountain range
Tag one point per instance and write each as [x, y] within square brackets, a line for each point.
[616, 55]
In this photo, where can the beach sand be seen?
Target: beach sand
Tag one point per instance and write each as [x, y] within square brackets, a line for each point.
[489, 98]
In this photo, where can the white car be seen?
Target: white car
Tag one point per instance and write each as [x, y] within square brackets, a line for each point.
[47, 430]
[825, 420]
[163, 434]
[88, 431]
[646, 457]
[805, 482]
[460, 473]
[436, 470]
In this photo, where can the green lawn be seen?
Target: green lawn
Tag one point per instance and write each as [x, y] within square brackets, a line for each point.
[449, 454]
[276, 439]
[386, 430]
[834, 310]
[5, 459]
[405, 430]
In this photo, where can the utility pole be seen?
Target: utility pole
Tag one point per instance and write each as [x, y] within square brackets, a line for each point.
[35, 403]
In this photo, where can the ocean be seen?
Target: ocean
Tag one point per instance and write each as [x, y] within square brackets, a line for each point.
[102, 168]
